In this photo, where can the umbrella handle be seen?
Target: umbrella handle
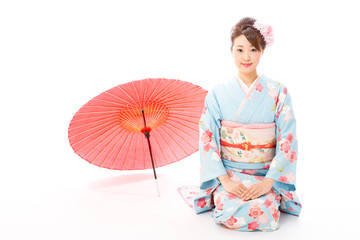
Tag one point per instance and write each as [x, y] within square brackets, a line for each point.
[147, 135]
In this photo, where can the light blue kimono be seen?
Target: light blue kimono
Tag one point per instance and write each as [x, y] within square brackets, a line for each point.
[267, 102]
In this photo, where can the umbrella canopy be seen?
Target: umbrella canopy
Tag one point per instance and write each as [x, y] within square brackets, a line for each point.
[109, 131]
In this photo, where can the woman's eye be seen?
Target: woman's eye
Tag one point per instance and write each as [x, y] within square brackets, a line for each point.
[239, 50]
[254, 50]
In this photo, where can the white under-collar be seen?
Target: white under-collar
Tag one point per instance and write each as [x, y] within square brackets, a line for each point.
[244, 86]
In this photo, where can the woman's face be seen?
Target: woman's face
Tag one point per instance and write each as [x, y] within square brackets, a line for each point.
[246, 57]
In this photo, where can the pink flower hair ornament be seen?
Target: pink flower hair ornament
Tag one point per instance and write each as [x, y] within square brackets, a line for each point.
[266, 31]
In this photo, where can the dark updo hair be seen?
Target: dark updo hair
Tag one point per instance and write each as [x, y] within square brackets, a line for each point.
[245, 26]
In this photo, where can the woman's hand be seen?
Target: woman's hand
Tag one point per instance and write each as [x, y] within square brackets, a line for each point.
[258, 189]
[232, 187]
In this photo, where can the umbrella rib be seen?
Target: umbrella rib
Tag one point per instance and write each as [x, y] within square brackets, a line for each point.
[137, 94]
[93, 139]
[177, 91]
[75, 135]
[168, 86]
[90, 106]
[168, 146]
[174, 141]
[184, 120]
[182, 98]
[107, 101]
[180, 129]
[83, 113]
[117, 96]
[122, 130]
[183, 115]
[132, 134]
[137, 135]
[82, 119]
[154, 91]
[100, 144]
[159, 145]
[179, 137]
[82, 125]
[112, 165]
[128, 96]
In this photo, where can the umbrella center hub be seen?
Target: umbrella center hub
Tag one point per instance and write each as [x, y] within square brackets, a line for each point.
[131, 118]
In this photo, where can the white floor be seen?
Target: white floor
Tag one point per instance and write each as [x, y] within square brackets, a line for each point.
[94, 203]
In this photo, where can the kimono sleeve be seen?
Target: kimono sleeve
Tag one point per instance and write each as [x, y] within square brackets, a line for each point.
[283, 165]
[211, 165]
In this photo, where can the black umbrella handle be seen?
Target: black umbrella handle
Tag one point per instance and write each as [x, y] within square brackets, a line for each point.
[147, 135]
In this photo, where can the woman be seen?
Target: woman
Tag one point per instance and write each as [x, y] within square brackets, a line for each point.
[248, 145]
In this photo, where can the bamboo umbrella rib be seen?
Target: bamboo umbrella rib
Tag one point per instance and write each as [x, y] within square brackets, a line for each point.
[83, 113]
[180, 117]
[182, 98]
[157, 112]
[128, 95]
[131, 141]
[181, 129]
[180, 137]
[137, 140]
[136, 93]
[115, 146]
[183, 115]
[107, 101]
[115, 96]
[179, 123]
[174, 140]
[93, 139]
[116, 130]
[178, 92]
[151, 97]
[165, 143]
[189, 91]
[159, 145]
[89, 129]
[145, 92]
[88, 118]
[94, 106]
[86, 124]
[117, 155]
[174, 90]
[153, 91]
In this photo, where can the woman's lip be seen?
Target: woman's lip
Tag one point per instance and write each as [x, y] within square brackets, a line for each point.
[246, 64]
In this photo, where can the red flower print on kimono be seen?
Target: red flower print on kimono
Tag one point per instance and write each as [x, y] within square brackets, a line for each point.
[231, 221]
[267, 203]
[206, 136]
[255, 212]
[283, 179]
[285, 146]
[291, 156]
[289, 195]
[290, 137]
[219, 204]
[259, 87]
[201, 203]
[253, 225]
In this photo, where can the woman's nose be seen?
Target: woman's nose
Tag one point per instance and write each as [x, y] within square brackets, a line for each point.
[246, 56]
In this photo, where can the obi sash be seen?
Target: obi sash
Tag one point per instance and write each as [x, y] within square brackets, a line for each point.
[247, 147]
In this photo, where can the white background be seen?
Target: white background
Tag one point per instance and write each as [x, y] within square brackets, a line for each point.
[56, 55]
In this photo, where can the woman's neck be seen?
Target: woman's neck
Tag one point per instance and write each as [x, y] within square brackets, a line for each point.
[249, 78]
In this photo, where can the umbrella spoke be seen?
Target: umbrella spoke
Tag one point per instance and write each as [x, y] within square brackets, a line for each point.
[122, 146]
[195, 130]
[96, 138]
[181, 138]
[88, 118]
[117, 137]
[107, 101]
[89, 129]
[131, 103]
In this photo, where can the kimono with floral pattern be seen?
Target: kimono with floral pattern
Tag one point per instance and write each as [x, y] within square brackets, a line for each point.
[267, 103]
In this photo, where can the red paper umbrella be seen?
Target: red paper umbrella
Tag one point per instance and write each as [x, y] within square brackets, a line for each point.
[139, 125]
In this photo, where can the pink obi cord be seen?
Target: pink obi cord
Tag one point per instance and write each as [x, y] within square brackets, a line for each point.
[232, 124]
